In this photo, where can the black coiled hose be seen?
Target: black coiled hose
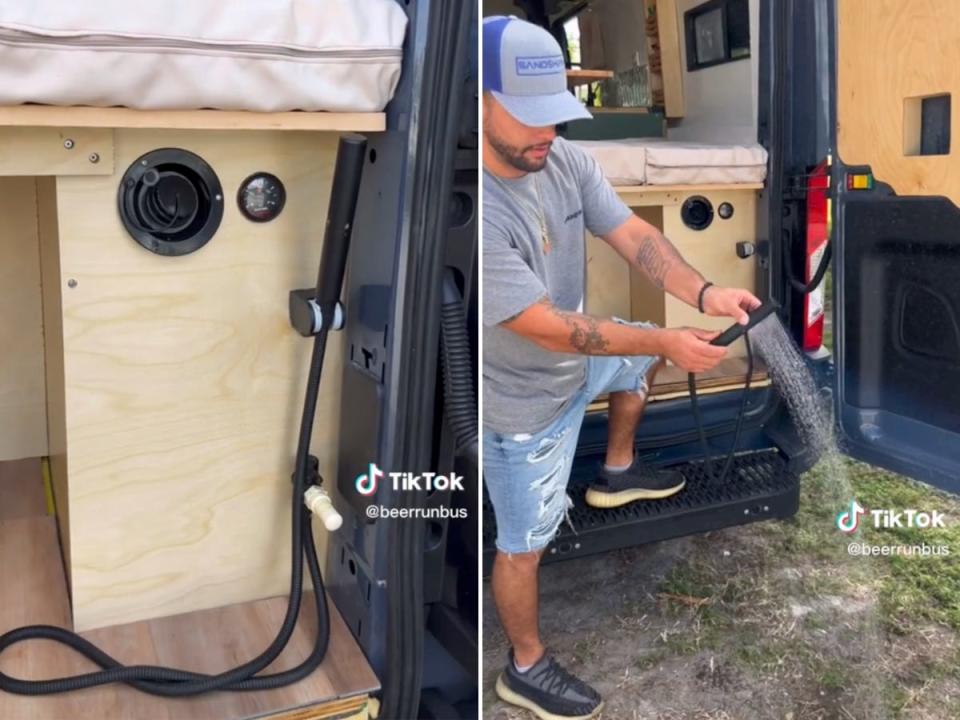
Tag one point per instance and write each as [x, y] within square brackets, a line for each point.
[707, 459]
[170, 682]
[459, 397]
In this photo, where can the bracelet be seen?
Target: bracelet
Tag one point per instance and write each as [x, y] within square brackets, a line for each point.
[700, 296]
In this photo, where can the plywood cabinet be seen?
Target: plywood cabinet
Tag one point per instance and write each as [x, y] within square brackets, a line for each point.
[166, 390]
[613, 288]
[23, 432]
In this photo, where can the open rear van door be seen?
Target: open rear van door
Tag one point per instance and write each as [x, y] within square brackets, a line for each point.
[896, 229]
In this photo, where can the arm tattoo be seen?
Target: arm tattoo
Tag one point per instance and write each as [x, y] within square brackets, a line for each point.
[657, 256]
[585, 334]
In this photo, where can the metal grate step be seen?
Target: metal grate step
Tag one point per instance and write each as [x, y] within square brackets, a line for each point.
[758, 487]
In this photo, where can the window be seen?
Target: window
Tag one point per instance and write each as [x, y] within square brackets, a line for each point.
[717, 32]
[926, 125]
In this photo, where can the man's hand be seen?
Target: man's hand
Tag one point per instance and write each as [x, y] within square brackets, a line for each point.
[690, 349]
[729, 302]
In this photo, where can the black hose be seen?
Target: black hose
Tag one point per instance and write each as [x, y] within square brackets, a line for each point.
[698, 419]
[459, 397]
[795, 282]
[171, 682]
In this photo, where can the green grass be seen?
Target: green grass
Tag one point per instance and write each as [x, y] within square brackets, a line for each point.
[798, 571]
[927, 588]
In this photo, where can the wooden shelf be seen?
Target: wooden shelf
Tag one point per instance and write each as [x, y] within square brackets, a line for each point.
[582, 77]
[647, 189]
[671, 382]
[615, 110]
[77, 117]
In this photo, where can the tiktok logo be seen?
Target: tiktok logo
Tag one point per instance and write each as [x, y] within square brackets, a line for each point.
[849, 520]
[367, 482]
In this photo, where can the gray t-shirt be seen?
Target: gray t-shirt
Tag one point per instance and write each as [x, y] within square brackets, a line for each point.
[525, 387]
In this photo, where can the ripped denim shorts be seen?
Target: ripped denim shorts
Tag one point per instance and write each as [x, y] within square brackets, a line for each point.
[526, 474]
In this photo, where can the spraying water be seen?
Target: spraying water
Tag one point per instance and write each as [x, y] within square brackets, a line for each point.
[813, 418]
[793, 381]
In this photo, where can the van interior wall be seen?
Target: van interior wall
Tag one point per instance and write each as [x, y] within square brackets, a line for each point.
[622, 34]
[23, 431]
[165, 391]
[720, 101]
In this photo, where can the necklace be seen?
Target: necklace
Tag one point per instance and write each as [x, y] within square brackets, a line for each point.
[537, 212]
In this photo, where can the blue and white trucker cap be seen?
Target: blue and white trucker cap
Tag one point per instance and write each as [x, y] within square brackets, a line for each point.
[523, 67]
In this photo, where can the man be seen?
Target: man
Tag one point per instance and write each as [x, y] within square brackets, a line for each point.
[544, 360]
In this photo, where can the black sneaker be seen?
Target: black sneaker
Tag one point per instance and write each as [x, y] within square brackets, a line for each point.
[548, 691]
[638, 482]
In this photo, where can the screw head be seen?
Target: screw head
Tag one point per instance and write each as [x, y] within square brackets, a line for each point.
[94, 158]
[68, 144]
[71, 283]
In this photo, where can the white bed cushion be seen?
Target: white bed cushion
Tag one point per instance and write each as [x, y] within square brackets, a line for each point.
[684, 163]
[260, 55]
[623, 162]
[656, 161]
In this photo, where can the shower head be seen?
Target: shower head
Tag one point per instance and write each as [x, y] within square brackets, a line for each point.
[736, 330]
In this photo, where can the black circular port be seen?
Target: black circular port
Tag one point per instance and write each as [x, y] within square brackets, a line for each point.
[697, 212]
[171, 201]
[725, 210]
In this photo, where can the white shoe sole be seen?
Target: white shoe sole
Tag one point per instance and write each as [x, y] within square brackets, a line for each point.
[607, 500]
[509, 696]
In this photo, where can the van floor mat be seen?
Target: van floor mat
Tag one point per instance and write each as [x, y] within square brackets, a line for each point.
[759, 486]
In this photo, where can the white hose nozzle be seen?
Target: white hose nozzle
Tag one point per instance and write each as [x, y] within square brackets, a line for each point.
[320, 504]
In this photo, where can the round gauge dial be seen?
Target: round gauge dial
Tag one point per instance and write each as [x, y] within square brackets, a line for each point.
[261, 197]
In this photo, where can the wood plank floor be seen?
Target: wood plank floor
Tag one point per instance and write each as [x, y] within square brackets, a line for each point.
[671, 382]
[33, 590]
[21, 489]
[728, 374]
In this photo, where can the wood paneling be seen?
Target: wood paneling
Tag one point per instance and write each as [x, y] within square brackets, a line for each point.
[614, 289]
[42, 151]
[671, 381]
[23, 430]
[608, 276]
[668, 28]
[585, 77]
[47, 224]
[33, 591]
[671, 194]
[184, 385]
[21, 490]
[891, 50]
[95, 117]
[713, 252]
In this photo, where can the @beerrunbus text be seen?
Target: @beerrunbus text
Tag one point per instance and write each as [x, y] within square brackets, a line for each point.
[368, 482]
[856, 515]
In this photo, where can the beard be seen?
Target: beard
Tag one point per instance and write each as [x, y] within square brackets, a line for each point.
[515, 156]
